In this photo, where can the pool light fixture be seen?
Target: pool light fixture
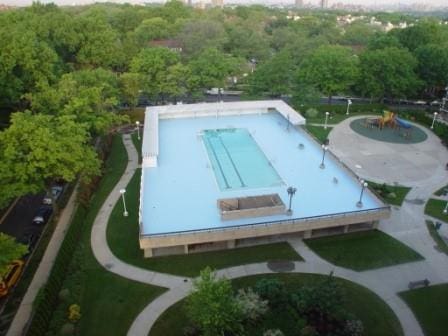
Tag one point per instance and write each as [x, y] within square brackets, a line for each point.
[122, 192]
[291, 191]
[434, 120]
[324, 150]
[326, 119]
[137, 123]
[364, 185]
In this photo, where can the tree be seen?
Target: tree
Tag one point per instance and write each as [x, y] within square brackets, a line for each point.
[274, 77]
[9, 251]
[152, 64]
[330, 69]
[388, 72]
[433, 65]
[211, 305]
[131, 85]
[37, 149]
[90, 95]
[212, 67]
[152, 29]
[424, 32]
[197, 35]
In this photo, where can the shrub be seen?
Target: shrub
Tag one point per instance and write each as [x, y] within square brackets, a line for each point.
[74, 313]
[273, 332]
[354, 328]
[272, 290]
[311, 113]
[64, 294]
[250, 303]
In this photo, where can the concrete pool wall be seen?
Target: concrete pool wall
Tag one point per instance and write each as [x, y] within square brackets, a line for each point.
[178, 212]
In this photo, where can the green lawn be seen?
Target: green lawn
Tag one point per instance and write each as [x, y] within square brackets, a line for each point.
[138, 144]
[441, 244]
[435, 207]
[363, 250]
[441, 191]
[109, 303]
[122, 235]
[430, 306]
[385, 191]
[319, 132]
[377, 317]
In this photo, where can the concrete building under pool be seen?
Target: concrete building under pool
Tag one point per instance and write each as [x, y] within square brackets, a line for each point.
[215, 175]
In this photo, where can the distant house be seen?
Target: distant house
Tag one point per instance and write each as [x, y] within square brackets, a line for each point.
[174, 45]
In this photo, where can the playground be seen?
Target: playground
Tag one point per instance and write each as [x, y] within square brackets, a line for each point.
[387, 152]
[389, 128]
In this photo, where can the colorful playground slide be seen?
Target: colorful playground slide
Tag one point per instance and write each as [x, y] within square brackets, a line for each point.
[402, 123]
[388, 118]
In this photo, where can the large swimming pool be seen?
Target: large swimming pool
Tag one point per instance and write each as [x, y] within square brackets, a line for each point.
[181, 193]
[237, 160]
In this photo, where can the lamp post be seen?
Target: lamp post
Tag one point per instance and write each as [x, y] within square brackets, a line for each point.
[122, 192]
[434, 120]
[137, 123]
[291, 191]
[445, 211]
[326, 119]
[324, 150]
[363, 186]
[349, 102]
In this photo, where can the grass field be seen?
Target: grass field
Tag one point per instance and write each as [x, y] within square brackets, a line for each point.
[319, 132]
[441, 244]
[435, 207]
[361, 251]
[122, 235]
[384, 192]
[377, 317]
[441, 191]
[430, 306]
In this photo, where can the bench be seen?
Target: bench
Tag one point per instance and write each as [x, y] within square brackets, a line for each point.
[419, 283]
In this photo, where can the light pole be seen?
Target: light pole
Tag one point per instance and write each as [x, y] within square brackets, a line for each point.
[122, 192]
[445, 211]
[349, 102]
[291, 191]
[326, 119]
[434, 120]
[324, 150]
[363, 186]
[137, 123]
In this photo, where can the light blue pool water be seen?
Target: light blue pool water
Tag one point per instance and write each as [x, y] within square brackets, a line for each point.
[180, 194]
[237, 160]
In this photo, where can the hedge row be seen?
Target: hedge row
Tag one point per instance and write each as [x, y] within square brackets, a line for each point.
[440, 129]
[342, 108]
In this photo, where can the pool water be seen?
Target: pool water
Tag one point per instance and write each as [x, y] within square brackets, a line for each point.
[237, 160]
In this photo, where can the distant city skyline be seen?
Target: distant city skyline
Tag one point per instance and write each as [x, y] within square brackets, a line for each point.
[316, 3]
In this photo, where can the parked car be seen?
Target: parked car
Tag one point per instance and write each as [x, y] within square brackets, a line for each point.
[42, 215]
[10, 277]
[56, 192]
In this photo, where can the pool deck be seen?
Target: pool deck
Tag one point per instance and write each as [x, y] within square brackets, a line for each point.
[179, 195]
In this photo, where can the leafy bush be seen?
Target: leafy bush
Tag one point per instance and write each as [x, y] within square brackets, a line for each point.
[272, 290]
[251, 305]
[311, 113]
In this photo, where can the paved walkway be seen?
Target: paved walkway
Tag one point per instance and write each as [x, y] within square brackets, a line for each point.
[407, 225]
[40, 277]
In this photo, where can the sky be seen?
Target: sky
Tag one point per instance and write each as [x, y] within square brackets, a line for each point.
[315, 2]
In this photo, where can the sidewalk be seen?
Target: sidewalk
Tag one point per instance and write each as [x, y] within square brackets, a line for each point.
[40, 277]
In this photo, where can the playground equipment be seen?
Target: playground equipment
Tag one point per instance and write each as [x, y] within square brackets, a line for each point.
[401, 124]
[388, 119]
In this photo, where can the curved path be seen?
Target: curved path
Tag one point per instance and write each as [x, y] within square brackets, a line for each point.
[385, 282]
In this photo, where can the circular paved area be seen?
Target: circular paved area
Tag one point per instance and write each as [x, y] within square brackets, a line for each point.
[411, 135]
[407, 164]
